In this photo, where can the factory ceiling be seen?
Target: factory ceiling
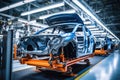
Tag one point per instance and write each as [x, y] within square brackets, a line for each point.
[107, 10]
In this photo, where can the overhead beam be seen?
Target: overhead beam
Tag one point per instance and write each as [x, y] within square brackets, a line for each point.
[16, 5]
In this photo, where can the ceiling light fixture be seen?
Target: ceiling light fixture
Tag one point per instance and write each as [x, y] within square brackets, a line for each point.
[99, 34]
[43, 8]
[87, 22]
[34, 23]
[91, 26]
[22, 20]
[98, 31]
[94, 29]
[16, 5]
[28, 1]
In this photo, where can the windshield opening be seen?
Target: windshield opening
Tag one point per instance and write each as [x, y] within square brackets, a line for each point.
[58, 29]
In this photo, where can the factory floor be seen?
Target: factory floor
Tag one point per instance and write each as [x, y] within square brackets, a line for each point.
[101, 68]
[24, 72]
[107, 69]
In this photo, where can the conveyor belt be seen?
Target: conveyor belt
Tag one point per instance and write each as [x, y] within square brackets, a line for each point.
[30, 74]
[108, 69]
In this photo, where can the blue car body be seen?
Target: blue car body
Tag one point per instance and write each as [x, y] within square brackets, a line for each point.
[66, 31]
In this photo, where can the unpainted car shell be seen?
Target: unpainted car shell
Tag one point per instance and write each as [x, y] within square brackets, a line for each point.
[76, 40]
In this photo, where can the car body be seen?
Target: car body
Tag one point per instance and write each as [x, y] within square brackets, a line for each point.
[65, 31]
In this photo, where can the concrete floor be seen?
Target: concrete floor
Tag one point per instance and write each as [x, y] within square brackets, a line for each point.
[17, 66]
[30, 74]
[108, 69]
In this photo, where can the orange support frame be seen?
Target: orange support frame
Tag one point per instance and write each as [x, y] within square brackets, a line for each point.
[101, 52]
[59, 63]
[15, 52]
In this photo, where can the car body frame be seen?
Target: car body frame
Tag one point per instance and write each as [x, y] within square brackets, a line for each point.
[66, 31]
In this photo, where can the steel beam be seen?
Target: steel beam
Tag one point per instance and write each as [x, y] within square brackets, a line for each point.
[6, 68]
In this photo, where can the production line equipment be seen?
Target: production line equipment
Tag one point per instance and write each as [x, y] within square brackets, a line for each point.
[104, 46]
[65, 42]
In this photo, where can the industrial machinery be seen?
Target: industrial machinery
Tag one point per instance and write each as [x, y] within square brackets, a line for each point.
[109, 44]
[100, 47]
[66, 42]
[104, 46]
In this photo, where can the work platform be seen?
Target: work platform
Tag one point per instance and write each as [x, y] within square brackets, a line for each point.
[24, 72]
[101, 68]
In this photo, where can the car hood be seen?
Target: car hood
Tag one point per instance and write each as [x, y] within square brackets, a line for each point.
[63, 18]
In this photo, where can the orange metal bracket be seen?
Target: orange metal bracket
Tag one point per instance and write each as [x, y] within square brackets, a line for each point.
[101, 52]
[55, 65]
[15, 52]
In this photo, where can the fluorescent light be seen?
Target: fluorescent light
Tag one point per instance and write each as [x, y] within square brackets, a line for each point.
[67, 11]
[87, 22]
[94, 29]
[34, 23]
[22, 20]
[43, 8]
[97, 31]
[25, 21]
[91, 26]
[28, 1]
[91, 15]
[16, 5]
[3, 9]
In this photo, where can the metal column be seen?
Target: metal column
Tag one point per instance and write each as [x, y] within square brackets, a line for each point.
[1, 40]
[6, 67]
